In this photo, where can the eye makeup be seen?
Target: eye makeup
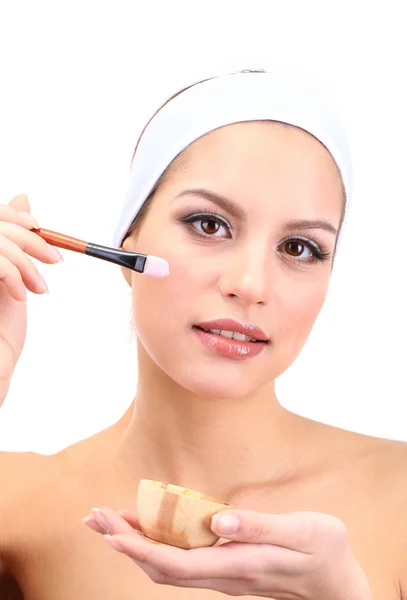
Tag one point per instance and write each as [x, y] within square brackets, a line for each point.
[196, 217]
[320, 252]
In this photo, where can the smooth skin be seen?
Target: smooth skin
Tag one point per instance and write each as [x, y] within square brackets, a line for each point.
[304, 554]
[17, 274]
[214, 424]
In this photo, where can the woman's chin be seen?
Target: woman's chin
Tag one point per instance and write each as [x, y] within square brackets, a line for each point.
[224, 385]
[211, 378]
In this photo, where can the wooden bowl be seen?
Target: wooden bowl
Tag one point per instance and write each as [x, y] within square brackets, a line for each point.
[175, 515]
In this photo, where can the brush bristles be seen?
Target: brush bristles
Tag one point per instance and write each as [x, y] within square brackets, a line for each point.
[156, 267]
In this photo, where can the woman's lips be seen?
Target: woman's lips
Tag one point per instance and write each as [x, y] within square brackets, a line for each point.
[230, 325]
[229, 347]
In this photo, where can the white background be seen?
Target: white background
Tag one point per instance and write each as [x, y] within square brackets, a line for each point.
[79, 79]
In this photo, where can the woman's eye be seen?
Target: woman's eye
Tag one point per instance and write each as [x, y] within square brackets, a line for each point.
[210, 227]
[296, 248]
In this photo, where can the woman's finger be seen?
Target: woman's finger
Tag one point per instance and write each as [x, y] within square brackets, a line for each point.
[111, 522]
[226, 586]
[130, 517]
[92, 524]
[301, 531]
[233, 560]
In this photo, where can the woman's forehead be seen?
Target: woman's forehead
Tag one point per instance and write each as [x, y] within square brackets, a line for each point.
[258, 146]
[249, 158]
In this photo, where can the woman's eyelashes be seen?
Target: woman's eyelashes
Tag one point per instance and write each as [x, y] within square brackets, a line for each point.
[206, 225]
[297, 244]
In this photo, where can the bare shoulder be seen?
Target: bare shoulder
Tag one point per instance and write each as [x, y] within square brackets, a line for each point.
[374, 473]
[386, 464]
[382, 463]
[388, 467]
[397, 498]
[19, 471]
[20, 475]
[16, 473]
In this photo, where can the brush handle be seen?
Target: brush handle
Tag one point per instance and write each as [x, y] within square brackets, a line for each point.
[131, 260]
[60, 240]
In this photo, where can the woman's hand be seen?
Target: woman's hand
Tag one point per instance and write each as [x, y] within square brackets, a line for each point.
[18, 272]
[300, 555]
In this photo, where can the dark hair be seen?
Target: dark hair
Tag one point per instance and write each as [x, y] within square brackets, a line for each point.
[179, 162]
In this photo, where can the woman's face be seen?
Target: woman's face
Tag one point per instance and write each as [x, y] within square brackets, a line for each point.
[263, 260]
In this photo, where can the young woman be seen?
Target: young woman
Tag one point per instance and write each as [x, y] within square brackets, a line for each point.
[241, 183]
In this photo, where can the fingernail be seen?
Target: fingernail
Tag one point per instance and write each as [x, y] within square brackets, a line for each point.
[29, 219]
[226, 524]
[55, 253]
[115, 544]
[101, 519]
[90, 522]
[43, 284]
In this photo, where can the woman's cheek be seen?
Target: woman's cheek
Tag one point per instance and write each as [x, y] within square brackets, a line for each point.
[300, 316]
[162, 308]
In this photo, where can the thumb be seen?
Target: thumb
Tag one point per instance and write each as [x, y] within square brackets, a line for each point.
[20, 202]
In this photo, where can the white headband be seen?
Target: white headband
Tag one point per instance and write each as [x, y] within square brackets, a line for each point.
[227, 99]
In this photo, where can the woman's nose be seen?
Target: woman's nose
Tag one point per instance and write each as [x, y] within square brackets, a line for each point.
[246, 276]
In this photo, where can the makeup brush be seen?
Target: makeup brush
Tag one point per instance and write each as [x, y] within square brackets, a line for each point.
[149, 265]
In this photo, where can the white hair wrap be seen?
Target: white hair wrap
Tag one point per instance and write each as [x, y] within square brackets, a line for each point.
[220, 101]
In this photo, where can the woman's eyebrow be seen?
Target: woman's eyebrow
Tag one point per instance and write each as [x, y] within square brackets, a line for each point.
[310, 224]
[236, 211]
[221, 201]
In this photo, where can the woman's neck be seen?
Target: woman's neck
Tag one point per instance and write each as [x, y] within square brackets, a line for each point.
[221, 447]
